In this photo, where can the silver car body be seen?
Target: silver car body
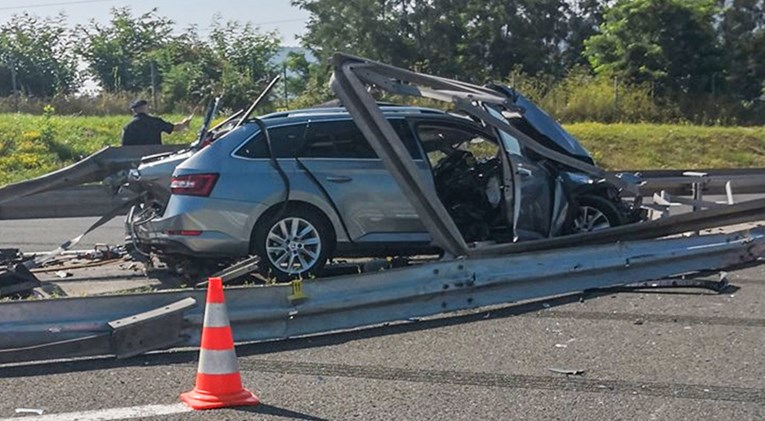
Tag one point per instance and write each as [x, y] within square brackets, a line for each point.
[366, 208]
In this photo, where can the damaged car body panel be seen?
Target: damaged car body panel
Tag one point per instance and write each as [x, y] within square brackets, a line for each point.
[224, 218]
[350, 81]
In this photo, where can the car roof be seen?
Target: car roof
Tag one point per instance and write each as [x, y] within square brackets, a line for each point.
[331, 113]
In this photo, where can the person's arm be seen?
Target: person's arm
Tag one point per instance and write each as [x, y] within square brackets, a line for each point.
[183, 125]
[169, 127]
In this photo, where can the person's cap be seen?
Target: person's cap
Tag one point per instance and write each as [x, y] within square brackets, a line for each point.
[138, 103]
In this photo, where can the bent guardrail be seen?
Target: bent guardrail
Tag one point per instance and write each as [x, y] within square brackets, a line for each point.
[94, 168]
[275, 312]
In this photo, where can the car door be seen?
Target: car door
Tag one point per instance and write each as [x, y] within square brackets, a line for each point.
[523, 186]
[533, 201]
[368, 199]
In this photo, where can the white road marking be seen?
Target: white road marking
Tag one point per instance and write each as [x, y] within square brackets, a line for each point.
[110, 414]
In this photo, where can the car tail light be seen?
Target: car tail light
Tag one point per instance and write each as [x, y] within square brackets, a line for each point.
[193, 184]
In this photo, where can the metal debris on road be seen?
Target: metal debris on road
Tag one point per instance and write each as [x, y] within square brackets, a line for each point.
[30, 411]
[567, 372]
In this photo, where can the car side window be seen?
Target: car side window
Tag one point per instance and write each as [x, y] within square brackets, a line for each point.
[439, 140]
[335, 139]
[343, 139]
[284, 142]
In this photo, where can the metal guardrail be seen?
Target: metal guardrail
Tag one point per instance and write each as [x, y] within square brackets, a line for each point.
[104, 163]
[41, 329]
[483, 274]
[73, 202]
[96, 199]
[713, 181]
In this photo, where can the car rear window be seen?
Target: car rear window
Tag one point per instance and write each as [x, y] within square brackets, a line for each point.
[284, 140]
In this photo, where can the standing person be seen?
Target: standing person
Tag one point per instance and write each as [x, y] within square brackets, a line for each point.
[147, 130]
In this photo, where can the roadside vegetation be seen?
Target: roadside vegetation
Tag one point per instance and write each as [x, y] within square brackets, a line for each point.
[33, 145]
[658, 61]
[642, 83]
[664, 146]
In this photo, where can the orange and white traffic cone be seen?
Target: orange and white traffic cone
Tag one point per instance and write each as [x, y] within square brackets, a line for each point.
[219, 384]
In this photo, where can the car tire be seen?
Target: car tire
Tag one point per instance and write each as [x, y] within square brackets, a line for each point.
[294, 243]
[594, 213]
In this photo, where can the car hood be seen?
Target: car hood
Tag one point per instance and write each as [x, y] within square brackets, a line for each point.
[540, 121]
[547, 126]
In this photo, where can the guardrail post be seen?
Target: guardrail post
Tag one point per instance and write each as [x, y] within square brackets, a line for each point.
[697, 188]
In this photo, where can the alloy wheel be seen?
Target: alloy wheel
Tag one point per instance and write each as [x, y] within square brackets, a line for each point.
[293, 245]
[590, 219]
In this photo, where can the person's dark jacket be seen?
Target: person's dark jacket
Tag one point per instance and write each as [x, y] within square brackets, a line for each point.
[145, 130]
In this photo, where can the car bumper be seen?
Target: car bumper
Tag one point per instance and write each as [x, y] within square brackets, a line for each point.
[200, 227]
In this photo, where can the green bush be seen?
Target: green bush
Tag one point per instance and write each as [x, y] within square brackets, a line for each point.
[581, 96]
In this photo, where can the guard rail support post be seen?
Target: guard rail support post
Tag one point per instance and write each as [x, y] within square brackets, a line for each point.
[697, 187]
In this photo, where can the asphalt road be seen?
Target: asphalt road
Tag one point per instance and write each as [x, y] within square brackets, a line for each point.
[670, 355]
[656, 355]
[34, 235]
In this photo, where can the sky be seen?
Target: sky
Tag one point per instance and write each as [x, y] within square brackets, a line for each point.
[269, 15]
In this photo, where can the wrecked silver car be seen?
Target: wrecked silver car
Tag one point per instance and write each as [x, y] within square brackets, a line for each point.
[297, 188]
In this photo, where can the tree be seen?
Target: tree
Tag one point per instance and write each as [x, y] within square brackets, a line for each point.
[39, 50]
[743, 38]
[527, 34]
[469, 39]
[371, 28]
[669, 42]
[245, 55]
[584, 17]
[135, 53]
[189, 68]
[120, 55]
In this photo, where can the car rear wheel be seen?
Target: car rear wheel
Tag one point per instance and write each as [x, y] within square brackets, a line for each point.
[294, 243]
[596, 213]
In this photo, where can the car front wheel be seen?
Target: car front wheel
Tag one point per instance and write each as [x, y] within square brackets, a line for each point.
[294, 243]
[596, 213]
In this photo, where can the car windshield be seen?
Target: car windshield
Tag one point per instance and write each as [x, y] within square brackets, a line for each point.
[545, 125]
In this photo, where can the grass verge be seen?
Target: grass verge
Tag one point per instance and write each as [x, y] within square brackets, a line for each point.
[34, 145]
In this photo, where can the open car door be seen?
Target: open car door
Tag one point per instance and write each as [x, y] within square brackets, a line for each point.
[511, 187]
